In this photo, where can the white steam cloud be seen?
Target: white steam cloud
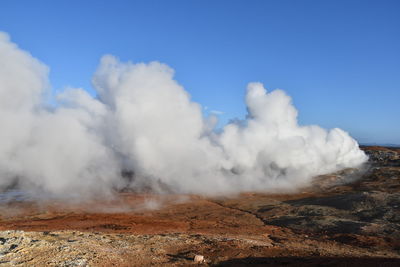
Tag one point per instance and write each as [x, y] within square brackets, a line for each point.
[144, 123]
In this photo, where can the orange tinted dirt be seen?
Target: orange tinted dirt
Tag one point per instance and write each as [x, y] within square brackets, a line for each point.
[134, 214]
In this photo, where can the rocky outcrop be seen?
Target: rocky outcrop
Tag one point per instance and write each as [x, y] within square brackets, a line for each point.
[383, 156]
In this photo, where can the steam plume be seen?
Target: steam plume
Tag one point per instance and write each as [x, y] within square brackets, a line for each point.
[144, 122]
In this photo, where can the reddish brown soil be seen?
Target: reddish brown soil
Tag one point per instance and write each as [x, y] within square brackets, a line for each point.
[171, 214]
[243, 236]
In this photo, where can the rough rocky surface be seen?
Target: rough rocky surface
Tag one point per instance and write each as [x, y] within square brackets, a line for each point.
[383, 156]
[350, 217]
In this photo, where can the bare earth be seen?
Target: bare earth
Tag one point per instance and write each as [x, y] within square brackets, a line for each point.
[344, 218]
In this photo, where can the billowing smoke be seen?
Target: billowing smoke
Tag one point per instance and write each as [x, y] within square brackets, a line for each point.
[144, 132]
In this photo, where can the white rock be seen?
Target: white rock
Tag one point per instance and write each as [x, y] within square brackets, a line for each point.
[198, 259]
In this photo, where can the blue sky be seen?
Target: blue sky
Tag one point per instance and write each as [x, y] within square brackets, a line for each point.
[339, 60]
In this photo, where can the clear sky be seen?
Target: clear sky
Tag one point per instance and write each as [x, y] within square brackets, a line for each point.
[339, 60]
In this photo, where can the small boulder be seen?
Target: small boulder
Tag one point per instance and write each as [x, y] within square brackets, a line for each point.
[199, 259]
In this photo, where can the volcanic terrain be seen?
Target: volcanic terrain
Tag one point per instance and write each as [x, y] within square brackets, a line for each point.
[351, 217]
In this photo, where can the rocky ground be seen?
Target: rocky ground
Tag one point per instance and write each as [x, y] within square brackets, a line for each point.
[349, 218]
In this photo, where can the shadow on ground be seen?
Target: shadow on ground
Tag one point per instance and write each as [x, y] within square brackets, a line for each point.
[320, 261]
